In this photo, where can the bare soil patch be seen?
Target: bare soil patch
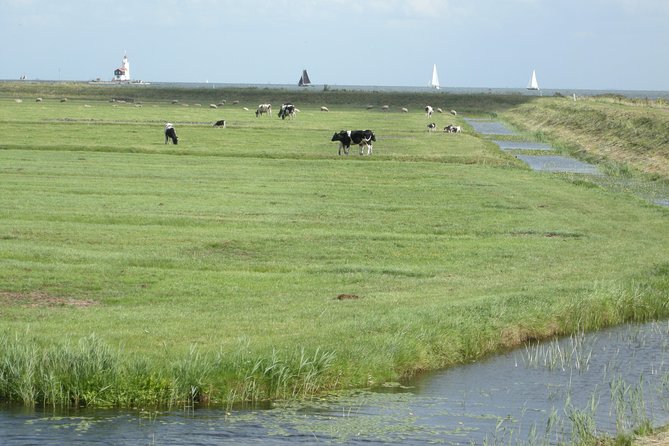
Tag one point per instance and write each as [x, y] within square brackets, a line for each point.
[40, 299]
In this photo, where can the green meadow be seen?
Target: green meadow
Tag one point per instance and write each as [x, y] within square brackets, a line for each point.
[252, 262]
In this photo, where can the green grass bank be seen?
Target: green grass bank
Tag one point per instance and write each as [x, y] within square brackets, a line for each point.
[628, 135]
[253, 263]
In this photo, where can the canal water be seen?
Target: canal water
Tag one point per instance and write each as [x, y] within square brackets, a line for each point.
[542, 157]
[544, 393]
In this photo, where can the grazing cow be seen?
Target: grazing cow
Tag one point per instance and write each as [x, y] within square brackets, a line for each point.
[287, 110]
[363, 138]
[220, 123]
[170, 133]
[431, 127]
[452, 128]
[264, 108]
[428, 111]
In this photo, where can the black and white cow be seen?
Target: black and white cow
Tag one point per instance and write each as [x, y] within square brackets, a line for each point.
[428, 111]
[431, 127]
[170, 133]
[220, 123]
[450, 128]
[264, 108]
[363, 138]
[287, 111]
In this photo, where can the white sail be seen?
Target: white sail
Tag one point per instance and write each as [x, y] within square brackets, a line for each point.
[533, 84]
[434, 83]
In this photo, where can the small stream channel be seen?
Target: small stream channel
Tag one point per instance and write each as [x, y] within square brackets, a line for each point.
[544, 393]
[542, 157]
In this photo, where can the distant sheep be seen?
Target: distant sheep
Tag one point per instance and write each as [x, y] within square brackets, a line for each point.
[405, 110]
[324, 109]
[454, 113]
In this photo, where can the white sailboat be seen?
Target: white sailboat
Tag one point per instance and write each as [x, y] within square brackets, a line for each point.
[533, 84]
[434, 83]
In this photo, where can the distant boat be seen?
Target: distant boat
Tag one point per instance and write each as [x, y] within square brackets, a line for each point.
[434, 83]
[304, 79]
[533, 84]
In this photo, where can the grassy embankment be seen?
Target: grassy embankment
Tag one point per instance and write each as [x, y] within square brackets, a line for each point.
[135, 273]
[628, 138]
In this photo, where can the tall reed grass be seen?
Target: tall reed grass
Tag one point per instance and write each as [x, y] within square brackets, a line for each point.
[90, 373]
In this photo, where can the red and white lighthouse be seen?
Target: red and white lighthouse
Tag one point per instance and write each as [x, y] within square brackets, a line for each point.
[123, 72]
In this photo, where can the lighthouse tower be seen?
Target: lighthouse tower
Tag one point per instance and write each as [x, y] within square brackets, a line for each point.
[123, 73]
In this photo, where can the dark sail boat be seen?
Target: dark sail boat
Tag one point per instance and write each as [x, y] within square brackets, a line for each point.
[304, 80]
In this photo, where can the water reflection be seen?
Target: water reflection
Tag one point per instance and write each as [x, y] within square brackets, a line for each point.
[541, 394]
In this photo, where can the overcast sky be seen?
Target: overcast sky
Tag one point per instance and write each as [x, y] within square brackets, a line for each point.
[573, 44]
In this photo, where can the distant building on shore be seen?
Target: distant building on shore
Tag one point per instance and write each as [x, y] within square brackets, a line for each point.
[122, 74]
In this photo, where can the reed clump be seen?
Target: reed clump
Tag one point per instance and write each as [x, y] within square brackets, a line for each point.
[90, 373]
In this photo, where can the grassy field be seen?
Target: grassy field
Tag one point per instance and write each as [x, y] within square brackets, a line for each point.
[252, 262]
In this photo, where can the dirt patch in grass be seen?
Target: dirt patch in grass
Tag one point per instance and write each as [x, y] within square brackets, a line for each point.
[661, 438]
[40, 299]
[347, 297]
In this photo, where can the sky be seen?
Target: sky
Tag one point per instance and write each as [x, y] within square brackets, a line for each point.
[572, 44]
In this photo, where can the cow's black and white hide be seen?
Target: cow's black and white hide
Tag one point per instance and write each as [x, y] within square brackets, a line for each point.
[452, 128]
[287, 111]
[220, 123]
[428, 111]
[170, 133]
[431, 127]
[264, 108]
[363, 138]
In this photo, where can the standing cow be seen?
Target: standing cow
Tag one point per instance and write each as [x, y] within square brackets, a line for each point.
[264, 108]
[170, 133]
[363, 138]
[428, 111]
[287, 111]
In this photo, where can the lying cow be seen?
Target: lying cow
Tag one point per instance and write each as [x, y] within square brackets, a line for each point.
[452, 128]
[170, 133]
[264, 108]
[363, 138]
[287, 111]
